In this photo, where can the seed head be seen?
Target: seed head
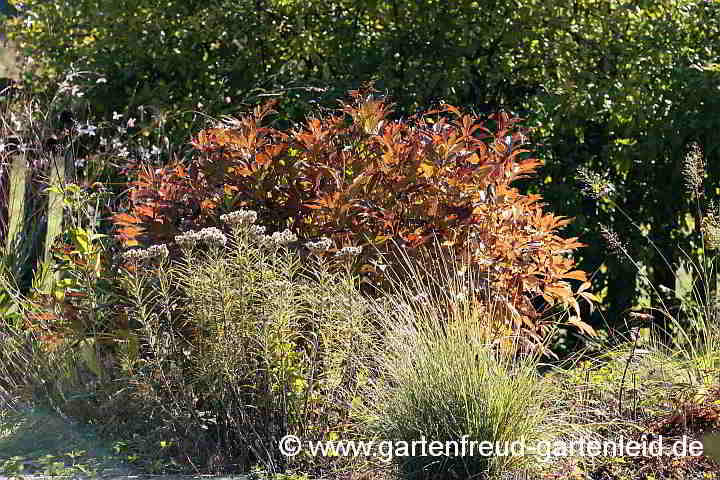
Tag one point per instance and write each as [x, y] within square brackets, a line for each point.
[693, 171]
[711, 228]
[158, 251]
[141, 255]
[594, 185]
[136, 255]
[613, 240]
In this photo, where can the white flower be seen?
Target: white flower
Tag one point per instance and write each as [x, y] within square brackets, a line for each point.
[348, 252]
[158, 251]
[321, 245]
[186, 239]
[139, 255]
[87, 129]
[257, 232]
[283, 238]
[116, 116]
[212, 236]
[136, 255]
[240, 217]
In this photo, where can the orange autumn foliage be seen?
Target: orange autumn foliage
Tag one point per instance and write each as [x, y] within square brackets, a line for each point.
[361, 178]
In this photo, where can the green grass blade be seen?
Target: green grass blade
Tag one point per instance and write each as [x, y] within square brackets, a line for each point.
[19, 174]
[55, 210]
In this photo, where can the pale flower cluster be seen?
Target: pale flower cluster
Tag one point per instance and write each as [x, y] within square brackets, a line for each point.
[211, 236]
[140, 255]
[322, 245]
[279, 239]
[240, 217]
[245, 220]
[348, 253]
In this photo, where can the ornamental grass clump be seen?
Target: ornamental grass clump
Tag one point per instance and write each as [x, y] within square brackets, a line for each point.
[441, 376]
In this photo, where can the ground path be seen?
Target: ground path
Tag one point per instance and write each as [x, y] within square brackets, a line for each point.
[32, 439]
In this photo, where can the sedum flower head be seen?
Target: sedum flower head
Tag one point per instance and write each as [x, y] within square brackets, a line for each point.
[348, 253]
[187, 240]
[212, 236]
[240, 217]
[285, 237]
[322, 245]
[142, 255]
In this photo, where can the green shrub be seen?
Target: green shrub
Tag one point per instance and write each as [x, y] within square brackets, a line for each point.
[181, 57]
[236, 347]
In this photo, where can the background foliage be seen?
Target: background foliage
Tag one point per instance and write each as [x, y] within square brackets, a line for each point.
[610, 85]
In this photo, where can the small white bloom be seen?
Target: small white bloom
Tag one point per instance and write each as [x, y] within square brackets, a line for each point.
[186, 239]
[87, 129]
[240, 217]
[158, 251]
[136, 255]
[116, 116]
[257, 232]
[283, 238]
[321, 245]
[348, 252]
[212, 236]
